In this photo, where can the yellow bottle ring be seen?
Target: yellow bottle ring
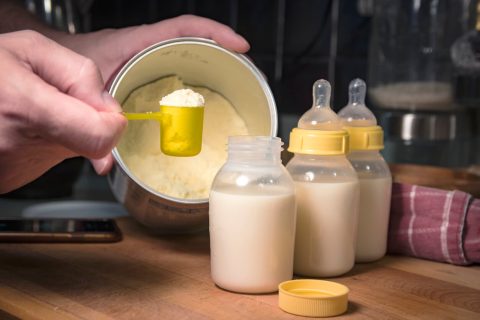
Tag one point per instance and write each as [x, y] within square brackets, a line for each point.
[365, 138]
[318, 142]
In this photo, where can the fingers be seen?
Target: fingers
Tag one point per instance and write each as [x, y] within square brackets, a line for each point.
[103, 165]
[194, 26]
[76, 125]
[112, 48]
[52, 107]
[66, 70]
[64, 99]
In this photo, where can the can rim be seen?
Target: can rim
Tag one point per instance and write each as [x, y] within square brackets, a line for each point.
[242, 58]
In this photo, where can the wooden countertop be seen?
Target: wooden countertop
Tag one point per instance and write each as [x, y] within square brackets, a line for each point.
[152, 277]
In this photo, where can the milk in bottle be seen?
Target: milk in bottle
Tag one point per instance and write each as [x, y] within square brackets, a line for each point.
[366, 140]
[252, 218]
[327, 191]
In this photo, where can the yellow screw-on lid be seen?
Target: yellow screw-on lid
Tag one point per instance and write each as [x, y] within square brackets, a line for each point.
[318, 142]
[365, 138]
[313, 298]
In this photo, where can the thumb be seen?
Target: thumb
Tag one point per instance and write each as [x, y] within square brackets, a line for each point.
[74, 124]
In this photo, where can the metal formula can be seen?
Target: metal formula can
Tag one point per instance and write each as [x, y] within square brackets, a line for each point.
[198, 62]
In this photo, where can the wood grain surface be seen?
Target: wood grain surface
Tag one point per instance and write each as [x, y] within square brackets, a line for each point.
[168, 277]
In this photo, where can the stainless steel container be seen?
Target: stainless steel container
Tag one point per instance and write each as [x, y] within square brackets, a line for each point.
[199, 62]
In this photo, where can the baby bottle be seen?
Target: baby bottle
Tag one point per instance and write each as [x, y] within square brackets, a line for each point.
[327, 191]
[252, 217]
[366, 139]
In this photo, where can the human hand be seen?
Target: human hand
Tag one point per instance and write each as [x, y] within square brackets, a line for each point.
[110, 49]
[52, 106]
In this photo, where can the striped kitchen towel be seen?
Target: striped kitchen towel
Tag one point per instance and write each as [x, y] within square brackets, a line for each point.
[434, 224]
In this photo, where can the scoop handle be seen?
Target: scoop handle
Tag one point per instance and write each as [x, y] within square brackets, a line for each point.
[144, 115]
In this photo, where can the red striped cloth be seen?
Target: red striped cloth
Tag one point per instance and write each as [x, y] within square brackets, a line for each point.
[434, 224]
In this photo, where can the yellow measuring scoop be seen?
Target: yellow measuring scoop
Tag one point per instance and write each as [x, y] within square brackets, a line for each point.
[181, 128]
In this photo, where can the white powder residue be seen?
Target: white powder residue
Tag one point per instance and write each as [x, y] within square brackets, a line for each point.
[183, 98]
[414, 95]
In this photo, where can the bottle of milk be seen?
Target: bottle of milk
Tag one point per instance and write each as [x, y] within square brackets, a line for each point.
[327, 191]
[366, 139]
[252, 217]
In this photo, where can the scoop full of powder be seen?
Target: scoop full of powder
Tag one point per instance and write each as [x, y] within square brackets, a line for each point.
[183, 98]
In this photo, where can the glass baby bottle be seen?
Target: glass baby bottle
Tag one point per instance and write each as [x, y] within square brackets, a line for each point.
[327, 191]
[366, 140]
[252, 217]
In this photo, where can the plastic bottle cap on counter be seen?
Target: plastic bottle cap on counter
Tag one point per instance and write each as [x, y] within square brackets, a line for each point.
[313, 298]
[365, 138]
[318, 142]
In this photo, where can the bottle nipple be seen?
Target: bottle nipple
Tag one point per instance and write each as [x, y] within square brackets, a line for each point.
[356, 113]
[320, 116]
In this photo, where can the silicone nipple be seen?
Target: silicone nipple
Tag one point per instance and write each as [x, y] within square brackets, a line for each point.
[356, 113]
[320, 116]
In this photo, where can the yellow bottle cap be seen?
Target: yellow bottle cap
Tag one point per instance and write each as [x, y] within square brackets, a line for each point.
[318, 142]
[365, 138]
[313, 298]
